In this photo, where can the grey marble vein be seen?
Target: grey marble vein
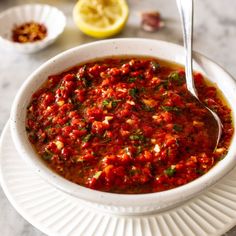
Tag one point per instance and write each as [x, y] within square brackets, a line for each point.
[215, 36]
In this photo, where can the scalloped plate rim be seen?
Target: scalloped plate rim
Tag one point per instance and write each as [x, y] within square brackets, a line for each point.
[48, 231]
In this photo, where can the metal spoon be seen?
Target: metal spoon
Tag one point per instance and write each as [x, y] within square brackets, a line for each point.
[186, 13]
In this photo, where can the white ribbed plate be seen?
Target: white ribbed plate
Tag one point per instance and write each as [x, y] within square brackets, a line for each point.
[58, 214]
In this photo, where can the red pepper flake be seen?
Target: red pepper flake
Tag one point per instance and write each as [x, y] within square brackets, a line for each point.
[29, 32]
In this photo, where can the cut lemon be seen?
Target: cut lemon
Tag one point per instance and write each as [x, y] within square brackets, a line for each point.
[101, 18]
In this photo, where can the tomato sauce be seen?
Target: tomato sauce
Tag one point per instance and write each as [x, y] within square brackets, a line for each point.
[126, 125]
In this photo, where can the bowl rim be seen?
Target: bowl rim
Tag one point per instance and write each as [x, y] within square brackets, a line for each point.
[39, 42]
[163, 198]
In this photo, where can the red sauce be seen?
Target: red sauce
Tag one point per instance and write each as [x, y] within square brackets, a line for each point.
[126, 125]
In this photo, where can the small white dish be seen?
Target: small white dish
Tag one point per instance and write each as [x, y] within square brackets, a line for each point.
[121, 203]
[50, 16]
[56, 213]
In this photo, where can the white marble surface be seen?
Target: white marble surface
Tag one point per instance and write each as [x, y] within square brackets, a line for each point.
[215, 36]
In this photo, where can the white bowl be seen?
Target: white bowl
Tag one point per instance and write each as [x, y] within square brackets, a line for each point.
[51, 17]
[121, 203]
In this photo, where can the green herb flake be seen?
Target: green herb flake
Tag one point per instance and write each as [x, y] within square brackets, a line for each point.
[132, 79]
[164, 84]
[105, 103]
[105, 139]
[110, 103]
[47, 155]
[140, 77]
[137, 137]
[143, 90]
[177, 142]
[222, 156]
[139, 150]
[170, 171]
[86, 82]
[97, 174]
[87, 138]
[147, 108]
[200, 172]
[114, 103]
[67, 123]
[134, 137]
[134, 171]
[82, 128]
[62, 88]
[83, 69]
[155, 66]
[169, 108]
[133, 92]
[177, 127]
[174, 76]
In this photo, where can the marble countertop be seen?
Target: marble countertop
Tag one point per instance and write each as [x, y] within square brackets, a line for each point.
[214, 36]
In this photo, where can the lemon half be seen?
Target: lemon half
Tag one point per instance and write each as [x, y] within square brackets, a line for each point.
[100, 18]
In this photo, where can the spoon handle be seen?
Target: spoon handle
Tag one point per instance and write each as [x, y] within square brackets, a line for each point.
[186, 13]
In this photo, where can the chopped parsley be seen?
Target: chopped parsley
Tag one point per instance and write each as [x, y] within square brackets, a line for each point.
[114, 103]
[164, 84]
[134, 92]
[86, 82]
[139, 150]
[169, 108]
[47, 155]
[134, 171]
[155, 66]
[87, 138]
[174, 76]
[110, 103]
[170, 171]
[147, 108]
[132, 79]
[200, 172]
[177, 127]
[97, 174]
[137, 137]
[105, 102]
